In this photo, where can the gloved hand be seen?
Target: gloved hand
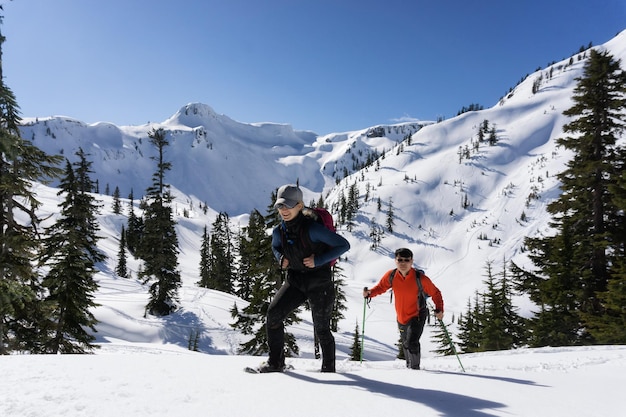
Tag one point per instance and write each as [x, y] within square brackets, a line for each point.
[366, 292]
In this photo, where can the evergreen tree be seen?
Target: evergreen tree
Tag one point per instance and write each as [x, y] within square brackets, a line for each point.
[159, 244]
[120, 269]
[340, 298]
[513, 323]
[610, 328]
[221, 257]
[256, 257]
[352, 206]
[390, 221]
[375, 234]
[356, 348]
[440, 339]
[557, 322]
[71, 254]
[117, 205]
[205, 260]
[576, 262]
[134, 227]
[493, 335]
[493, 138]
[470, 327]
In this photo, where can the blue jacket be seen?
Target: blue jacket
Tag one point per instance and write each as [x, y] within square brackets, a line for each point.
[334, 244]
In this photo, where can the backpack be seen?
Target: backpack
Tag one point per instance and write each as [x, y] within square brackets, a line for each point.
[325, 218]
[422, 295]
[319, 215]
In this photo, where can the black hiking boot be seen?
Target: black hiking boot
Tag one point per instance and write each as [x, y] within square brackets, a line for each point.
[266, 368]
[413, 361]
[329, 368]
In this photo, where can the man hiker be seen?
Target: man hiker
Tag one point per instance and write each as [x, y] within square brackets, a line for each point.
[410, 287]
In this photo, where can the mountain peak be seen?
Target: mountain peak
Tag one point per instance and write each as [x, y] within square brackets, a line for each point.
[193, 114]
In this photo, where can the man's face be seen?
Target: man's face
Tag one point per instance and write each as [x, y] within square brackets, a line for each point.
[404, 263]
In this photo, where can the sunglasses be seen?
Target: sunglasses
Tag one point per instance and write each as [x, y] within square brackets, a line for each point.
[402, 260]
[283, 206]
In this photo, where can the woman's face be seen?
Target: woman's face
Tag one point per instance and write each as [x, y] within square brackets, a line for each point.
[289, 213]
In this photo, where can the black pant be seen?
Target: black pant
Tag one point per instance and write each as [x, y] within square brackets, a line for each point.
[410, 334]
[321, 297]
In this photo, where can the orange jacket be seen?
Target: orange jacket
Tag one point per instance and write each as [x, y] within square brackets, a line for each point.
[406, 293]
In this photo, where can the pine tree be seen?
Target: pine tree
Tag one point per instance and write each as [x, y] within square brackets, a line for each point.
[495, 334]
[134, 227]
[440, 339]
[356, 348]
[21, 164]
[256, 258]
[159, 244]
[610, 328]
[120, 269]
[470, 327]
[117, 205]
[390, 221]
[71, 254]
[375, 234]
[340, 298]
[493, 138]
[576, 262]
[557, 322]
[205, 260]
[221, 256]
[352, 206]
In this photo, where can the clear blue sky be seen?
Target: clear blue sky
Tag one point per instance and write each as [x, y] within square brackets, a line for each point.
[321, 65]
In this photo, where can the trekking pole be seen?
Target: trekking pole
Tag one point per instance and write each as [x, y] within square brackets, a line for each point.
[445, 330]
[363, 326]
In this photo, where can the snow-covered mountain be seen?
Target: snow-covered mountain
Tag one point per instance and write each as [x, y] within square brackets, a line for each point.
[230, 166]
[456, 212]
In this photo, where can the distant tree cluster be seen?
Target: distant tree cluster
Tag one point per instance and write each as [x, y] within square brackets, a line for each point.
[486, 133]
[471, 107]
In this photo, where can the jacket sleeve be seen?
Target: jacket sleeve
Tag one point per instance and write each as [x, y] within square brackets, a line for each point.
[433, 292]
[337, 244]
[277, 243]
[382, 286]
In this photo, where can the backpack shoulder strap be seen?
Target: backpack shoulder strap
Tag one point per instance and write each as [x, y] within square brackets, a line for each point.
[418, 278]
[393, 274]
[422, 295]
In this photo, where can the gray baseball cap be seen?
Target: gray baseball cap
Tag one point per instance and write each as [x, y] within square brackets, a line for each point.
[289, 195]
